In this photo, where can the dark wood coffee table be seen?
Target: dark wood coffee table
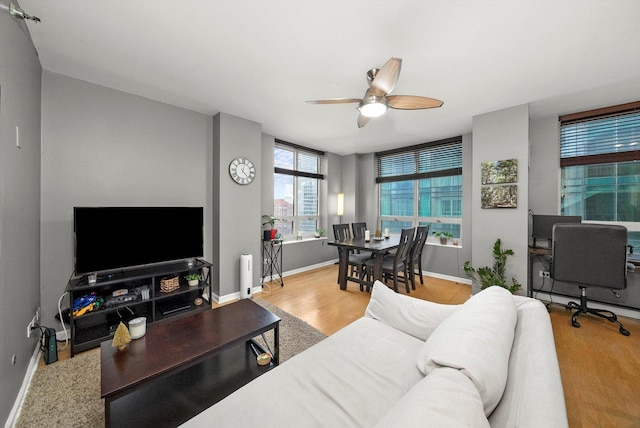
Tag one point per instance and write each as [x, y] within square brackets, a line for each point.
[182, 366]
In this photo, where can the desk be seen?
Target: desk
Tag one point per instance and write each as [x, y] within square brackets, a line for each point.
[378, 248]
[630, 298]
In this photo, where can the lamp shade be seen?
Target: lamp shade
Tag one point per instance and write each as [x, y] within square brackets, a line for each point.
[340, 203]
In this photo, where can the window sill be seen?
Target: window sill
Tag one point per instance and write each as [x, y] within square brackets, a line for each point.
[437, 244]
[298, 241]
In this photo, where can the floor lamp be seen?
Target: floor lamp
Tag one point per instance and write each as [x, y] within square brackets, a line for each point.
[340, 206]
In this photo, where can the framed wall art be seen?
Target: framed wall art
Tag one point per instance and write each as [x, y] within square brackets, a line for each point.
[494, 196]
[499, 172]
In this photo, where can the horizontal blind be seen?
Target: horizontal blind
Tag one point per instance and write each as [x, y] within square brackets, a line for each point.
[429, 160]
[606, 136]
[306, 162]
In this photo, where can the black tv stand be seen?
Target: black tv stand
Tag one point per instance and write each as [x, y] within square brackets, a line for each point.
[91, 328]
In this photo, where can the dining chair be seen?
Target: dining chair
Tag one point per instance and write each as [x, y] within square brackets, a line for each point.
[358, 229]
[393, 264]
[356, 261]
[415, 255]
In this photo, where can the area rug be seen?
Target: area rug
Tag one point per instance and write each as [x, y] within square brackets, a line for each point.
[67, 393]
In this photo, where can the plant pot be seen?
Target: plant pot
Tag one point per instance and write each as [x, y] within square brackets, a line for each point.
[274, 232]
[266, 235]
[193, 282]
[443, 241]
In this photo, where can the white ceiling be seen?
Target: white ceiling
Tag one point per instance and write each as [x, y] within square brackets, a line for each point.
[261, 60]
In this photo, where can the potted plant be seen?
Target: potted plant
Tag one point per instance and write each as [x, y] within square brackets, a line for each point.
[193, 279]
[444, 237]
[271, 232]
[319, 233]
[487, 277]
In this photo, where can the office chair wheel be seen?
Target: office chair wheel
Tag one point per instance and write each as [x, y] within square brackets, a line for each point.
[576, 324]
[624, 331]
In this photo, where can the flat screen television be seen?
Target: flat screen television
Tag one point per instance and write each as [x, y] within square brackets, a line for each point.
[116, 238]
[543, 225]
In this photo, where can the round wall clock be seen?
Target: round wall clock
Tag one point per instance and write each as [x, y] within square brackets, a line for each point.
[242, 170]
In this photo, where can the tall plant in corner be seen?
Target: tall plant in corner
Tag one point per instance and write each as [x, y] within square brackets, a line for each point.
[487, 276]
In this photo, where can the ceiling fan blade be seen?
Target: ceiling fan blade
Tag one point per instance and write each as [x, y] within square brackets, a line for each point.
[412, 102]
[386, 77]
[362, 120]
[335, 101]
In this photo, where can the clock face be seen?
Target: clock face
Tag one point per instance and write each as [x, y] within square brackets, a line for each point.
[242, 170]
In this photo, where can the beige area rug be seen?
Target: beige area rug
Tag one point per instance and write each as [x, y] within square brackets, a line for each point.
[67, 393]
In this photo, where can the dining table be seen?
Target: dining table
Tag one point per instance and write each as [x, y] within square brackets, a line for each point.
[377, 246]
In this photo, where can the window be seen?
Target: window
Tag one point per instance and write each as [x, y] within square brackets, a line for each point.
[296, 203]
[421, 185]
[600, 172]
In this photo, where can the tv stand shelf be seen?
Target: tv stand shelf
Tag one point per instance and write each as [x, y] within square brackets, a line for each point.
[92, 327]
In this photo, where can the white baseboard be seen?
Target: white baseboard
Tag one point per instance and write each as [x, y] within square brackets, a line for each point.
[17, 405]
[447, 277]
[236, 296]
[623, 312]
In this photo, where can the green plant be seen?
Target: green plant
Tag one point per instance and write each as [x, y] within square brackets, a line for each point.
[268, 220]
[319, 232]
[487, 276]
[193, 277]
[443, 235]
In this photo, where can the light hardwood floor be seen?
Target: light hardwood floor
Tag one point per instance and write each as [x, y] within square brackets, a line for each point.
[600, 368]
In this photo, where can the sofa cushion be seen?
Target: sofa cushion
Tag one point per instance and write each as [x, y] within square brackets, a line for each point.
[412, 316]
[445, 398]
[477, 340]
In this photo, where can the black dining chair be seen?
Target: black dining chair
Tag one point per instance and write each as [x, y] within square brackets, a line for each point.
[356, 261]
[393, 264]
[358, 229]
[415, 255]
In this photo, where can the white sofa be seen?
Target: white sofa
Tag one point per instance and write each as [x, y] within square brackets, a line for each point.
[489, 362]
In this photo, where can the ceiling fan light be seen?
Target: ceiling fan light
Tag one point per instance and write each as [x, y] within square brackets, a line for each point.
[373, 106]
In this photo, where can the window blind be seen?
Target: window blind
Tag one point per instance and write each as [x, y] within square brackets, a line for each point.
[429, 160]
[601, 136]
[298, 160]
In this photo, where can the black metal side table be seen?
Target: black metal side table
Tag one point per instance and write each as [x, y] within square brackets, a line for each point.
[272, 261]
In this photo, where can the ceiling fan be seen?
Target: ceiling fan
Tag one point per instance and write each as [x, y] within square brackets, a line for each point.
[377, 100]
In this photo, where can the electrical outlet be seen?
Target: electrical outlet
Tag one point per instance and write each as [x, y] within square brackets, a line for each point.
[33, 323]
[544, 274]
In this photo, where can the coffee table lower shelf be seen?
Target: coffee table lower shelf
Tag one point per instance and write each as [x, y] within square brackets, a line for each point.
[172, 400]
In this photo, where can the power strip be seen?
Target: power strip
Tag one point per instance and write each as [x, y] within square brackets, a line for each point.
[62, 335]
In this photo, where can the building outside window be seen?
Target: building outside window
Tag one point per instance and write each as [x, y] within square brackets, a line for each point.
[421, 185]
[297, 175]
[600, 172]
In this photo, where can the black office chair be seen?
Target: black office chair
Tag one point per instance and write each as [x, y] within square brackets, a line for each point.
[590, 255]
[415, 256]
[393, 264]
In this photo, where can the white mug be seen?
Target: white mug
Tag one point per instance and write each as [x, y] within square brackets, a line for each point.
[367, 235]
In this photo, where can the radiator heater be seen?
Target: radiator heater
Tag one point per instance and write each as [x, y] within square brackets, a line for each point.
[246, 275]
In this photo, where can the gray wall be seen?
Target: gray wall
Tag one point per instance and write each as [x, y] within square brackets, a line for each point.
[238, 207]
[20, 74]
[104, 147]
[501, 135]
